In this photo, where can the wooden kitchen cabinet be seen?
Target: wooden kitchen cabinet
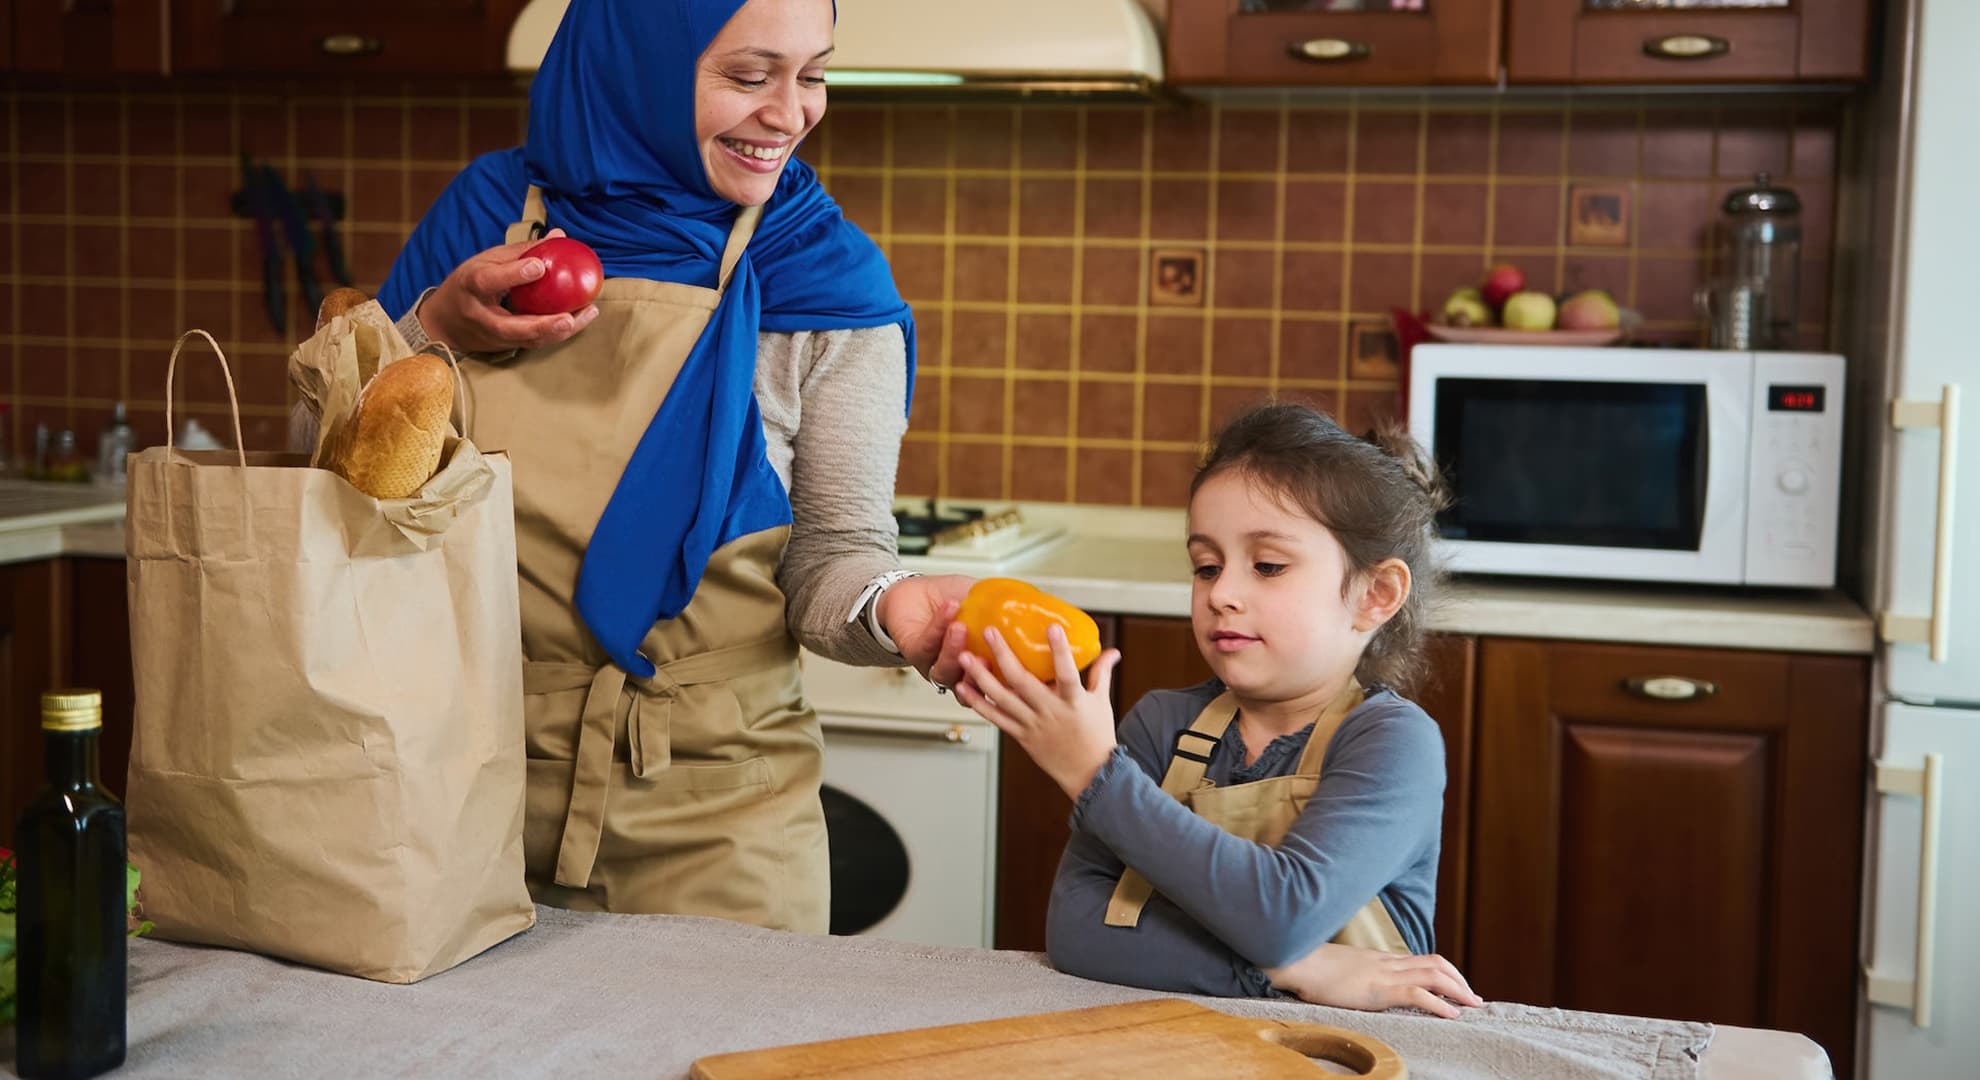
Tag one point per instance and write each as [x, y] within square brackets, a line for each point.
[1639, 851]
[1161, 653]
[1587, 41]
[354, 37]
[99, 656]
[63, 623]
[86, 37]
[1298, 43]
[30, 610]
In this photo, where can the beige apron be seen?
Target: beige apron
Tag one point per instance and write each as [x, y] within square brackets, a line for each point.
[694, 792]
[1260, 811]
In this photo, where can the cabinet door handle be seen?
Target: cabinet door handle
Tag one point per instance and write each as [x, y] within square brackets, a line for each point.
[1328, 50]
[1686, 46]
[1670, 687]
[908, 731]
[350, 45]
[1933, 629]
[1915, 994]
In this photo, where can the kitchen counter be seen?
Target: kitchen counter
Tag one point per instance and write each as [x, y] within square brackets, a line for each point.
[646, 995]
[35, 519]
[1131, 561]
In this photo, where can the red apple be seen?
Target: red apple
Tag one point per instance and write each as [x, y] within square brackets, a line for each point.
[572, 277]
[1504, 280]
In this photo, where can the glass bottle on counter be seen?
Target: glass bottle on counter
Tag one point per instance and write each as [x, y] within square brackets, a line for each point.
[71, 913]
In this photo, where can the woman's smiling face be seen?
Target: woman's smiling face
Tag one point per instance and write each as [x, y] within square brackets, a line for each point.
[759, 90]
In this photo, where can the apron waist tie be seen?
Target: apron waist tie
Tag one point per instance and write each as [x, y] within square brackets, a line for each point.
[648, 723]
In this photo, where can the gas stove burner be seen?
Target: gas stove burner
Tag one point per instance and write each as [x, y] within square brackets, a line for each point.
[922, 529]
[978, 526]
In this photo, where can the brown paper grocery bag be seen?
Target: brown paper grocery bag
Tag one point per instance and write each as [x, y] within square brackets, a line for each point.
[327, 763]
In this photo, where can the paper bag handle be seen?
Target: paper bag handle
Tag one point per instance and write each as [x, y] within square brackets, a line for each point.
[460, 384]
[171, 368]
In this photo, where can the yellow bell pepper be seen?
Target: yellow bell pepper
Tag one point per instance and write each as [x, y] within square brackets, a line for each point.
[1021, 612]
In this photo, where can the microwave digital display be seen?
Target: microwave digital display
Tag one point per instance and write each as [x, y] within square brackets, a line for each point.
[1590, 464]
[1796, 398]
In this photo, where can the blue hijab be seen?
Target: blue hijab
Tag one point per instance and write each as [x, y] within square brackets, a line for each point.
[612, 144]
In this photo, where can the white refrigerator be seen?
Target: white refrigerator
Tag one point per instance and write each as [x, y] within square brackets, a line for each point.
[1920, 991]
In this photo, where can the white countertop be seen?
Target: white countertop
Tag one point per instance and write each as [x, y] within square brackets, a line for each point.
[1130, 561]
[35, 517]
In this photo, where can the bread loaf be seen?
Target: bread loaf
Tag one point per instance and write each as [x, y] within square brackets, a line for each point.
[338, 302]
[389, 446]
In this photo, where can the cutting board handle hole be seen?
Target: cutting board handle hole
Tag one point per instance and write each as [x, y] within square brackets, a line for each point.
[1347, 1053]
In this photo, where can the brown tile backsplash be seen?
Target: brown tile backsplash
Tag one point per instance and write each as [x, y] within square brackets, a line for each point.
[1021, 235]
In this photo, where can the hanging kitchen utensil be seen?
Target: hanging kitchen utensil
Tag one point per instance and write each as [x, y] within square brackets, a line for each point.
[326, 217]
[301, 244]
[260, 206]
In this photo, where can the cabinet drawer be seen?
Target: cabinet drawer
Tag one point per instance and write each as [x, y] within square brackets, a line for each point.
[1332, 49]
[1216, 43]
[1667, 687]
[1709, 47]
[832, 687]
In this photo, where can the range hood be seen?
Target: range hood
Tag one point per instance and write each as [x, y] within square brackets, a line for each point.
[920, 48]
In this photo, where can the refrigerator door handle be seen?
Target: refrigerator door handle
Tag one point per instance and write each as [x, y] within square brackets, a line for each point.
[1934, 629]
[1915, 993]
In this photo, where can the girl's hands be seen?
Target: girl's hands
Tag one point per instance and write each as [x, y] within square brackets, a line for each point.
[1348, 977]
[919, 613]
[465, 312]
[1066, 727]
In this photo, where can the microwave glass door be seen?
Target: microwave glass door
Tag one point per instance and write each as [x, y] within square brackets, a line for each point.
[1579, 463]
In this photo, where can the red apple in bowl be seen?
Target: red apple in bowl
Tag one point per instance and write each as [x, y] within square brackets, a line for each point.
[1504, 280]
[572, 277]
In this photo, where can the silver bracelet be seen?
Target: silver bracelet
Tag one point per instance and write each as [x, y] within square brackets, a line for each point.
[868, 604]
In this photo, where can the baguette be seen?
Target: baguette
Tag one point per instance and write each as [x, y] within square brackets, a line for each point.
[339, 301]
[390, 445]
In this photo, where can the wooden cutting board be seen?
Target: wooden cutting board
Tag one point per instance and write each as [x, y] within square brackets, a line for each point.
[1169, 1038]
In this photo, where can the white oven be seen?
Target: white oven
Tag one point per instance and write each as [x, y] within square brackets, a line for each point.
[910, 806]
[1648, 464]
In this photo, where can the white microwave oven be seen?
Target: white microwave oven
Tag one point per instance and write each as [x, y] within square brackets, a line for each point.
[1640, 464]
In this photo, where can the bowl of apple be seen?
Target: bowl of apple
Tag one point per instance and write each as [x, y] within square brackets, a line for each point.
[1503, 311]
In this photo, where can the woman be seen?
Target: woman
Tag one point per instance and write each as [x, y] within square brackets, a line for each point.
[704, 460]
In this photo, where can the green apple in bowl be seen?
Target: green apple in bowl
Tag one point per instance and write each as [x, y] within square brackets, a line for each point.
[1465, 308]
[1528, 310]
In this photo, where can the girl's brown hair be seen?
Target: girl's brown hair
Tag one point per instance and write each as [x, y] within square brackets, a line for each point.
[1378, 494]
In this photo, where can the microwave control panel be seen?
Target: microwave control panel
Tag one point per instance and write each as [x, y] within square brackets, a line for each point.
[1794, 481]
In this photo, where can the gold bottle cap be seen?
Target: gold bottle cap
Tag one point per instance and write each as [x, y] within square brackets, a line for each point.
[71, 710]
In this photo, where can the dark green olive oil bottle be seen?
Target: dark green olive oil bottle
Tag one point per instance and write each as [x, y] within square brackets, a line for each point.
[69, 850]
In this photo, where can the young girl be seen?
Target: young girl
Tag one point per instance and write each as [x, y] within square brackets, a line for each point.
[1275, 828]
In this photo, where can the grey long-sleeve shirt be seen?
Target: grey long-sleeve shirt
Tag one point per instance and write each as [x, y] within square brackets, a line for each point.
[1224, 907]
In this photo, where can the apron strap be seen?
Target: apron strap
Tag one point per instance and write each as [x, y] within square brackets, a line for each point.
[1187, 764]
[1311, 758]
[535, 220]
[649, 718]
[739, 234]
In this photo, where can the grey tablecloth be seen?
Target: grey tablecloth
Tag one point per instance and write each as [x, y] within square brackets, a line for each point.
[599, 996]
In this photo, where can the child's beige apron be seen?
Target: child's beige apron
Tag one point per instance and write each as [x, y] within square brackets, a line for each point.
[1260, 811]
[694, 792]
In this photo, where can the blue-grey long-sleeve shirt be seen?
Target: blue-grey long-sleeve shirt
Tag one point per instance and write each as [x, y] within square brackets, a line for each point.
[1225, 907]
